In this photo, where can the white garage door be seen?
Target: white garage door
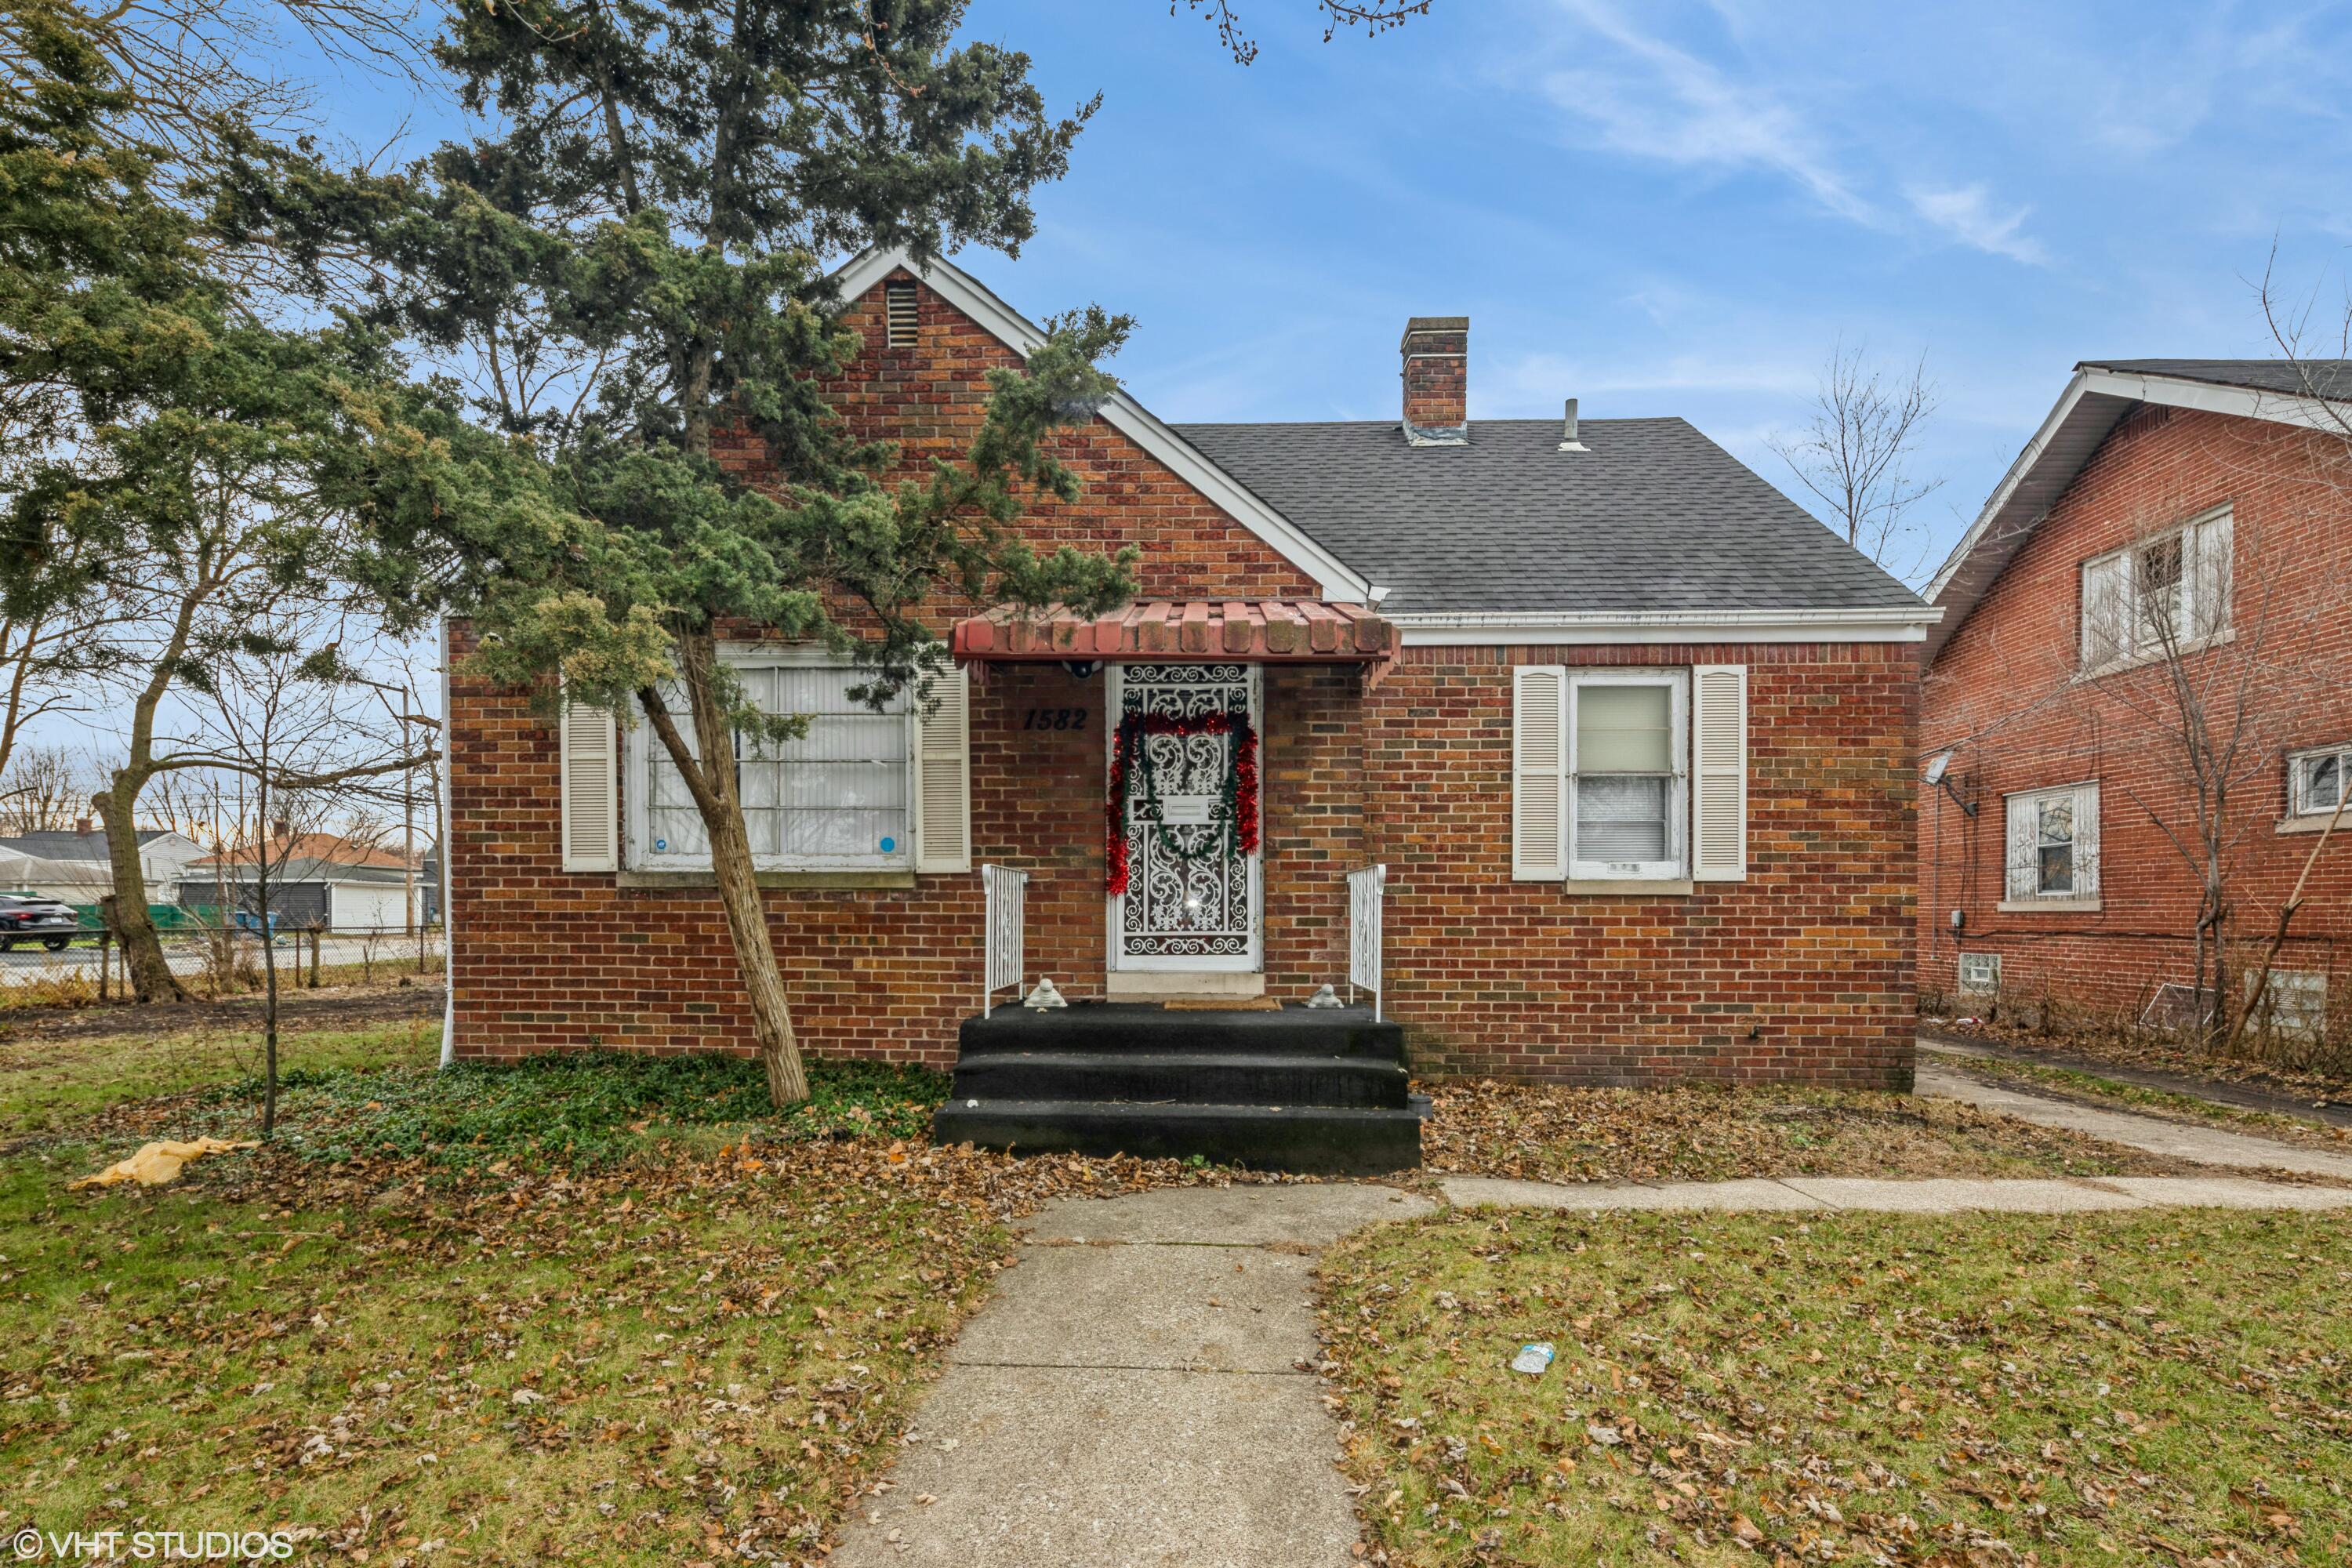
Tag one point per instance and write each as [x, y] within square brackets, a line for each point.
[361, 907]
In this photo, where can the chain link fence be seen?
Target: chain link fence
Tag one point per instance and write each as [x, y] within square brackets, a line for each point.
[211, 961]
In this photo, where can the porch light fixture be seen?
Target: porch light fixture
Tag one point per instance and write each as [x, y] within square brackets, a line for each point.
[1081, 668]
[1939, 777]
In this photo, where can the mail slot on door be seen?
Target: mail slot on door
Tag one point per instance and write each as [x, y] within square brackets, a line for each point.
[1188, 810]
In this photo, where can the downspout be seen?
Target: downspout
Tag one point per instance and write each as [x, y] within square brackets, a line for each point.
[448, 842]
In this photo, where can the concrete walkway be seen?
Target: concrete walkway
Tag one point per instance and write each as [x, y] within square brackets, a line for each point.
[1140, 1392]
[2181, 1139]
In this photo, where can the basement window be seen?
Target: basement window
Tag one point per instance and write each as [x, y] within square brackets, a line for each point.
[901, 312]
[2293, 1005]
[1980, 975]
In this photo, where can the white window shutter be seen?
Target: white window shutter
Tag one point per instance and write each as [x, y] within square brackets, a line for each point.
[1718, 772]
[943, 776]
[2106, 609]
[2207, 548]
[588, 743]
[2023, 841]
[2086, 841]
[1539, 773]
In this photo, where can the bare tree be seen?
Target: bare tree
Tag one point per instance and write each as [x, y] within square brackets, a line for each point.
[1854, 456]
[1374, 17]
[290, 721]
[45, 790]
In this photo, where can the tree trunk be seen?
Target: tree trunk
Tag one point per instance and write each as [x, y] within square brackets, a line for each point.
[151, 976]
[720, 807]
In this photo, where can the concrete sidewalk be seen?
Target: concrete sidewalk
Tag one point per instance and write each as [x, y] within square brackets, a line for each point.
[1138, 1392]
[2181, 1139]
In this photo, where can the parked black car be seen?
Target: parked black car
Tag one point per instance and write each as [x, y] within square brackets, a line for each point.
[46, 920]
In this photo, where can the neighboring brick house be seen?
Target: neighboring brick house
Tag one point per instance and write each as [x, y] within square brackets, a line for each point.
[1632, 733]
[2176, 526]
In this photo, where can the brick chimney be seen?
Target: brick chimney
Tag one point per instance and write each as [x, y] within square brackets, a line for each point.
[1436, 350]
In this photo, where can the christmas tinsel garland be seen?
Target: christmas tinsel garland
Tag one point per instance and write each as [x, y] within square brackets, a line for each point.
[1238, 810]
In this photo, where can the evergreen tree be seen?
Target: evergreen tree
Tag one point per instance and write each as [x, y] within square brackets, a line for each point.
[628, 261]
[167, 439]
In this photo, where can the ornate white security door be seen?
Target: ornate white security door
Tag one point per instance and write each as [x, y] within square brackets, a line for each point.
[1186, 751]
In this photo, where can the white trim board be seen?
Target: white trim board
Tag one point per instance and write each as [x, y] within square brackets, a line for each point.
[1569, 627]
[2094, 403]
[1333, 578]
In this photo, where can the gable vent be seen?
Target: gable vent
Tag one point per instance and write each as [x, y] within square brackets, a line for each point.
[899, 307]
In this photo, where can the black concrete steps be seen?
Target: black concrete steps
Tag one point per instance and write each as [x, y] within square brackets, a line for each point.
[1331, 1140]
[1229, 1078]
[1309, 1089]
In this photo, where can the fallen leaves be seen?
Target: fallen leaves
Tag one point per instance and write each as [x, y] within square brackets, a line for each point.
[1709, 1132]
[1848, 1388]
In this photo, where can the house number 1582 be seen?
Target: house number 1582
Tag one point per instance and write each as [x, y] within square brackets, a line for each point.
[1055, 719]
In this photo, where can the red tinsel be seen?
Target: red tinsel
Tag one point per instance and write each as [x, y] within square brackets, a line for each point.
[1132, 730]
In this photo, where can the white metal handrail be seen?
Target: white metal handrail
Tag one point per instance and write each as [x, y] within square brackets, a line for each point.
[1003, 925]
[1367, 888]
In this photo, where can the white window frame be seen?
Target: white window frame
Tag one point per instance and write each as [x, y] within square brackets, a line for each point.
[2083, 863]
[1676, 866]
[637, 852]
[2130, 649]
[1991, 985]
[2299, 808]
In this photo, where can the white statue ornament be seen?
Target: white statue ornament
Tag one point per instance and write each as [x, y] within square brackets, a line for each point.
[1045, 997]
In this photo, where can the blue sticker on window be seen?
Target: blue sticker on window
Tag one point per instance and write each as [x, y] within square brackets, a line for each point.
[660, 845]
[889, 844]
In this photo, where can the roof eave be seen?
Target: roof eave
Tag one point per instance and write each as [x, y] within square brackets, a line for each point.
[1889, 623]
[2094, 403]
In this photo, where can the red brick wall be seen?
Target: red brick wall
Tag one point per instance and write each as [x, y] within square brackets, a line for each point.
[1803, 970]
[2004, 690]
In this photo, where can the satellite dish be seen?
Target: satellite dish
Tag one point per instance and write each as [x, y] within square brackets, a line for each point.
[1938, 766]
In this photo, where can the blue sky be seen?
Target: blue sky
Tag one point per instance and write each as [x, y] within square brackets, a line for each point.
[1664, 208]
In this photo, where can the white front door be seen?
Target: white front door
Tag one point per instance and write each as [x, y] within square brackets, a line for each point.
[1193, 896]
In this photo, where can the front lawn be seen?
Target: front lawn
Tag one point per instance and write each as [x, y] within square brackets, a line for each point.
[593, 1310]
[2170, 1386]
[59, 1067]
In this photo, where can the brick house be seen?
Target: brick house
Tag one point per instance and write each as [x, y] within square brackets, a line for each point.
[2171, 519]
[1630, 732]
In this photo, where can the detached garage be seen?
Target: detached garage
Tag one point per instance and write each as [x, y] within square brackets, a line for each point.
[317, 882]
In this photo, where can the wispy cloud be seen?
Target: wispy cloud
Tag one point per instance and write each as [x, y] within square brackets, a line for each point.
[1657, 100]
[1968, 214]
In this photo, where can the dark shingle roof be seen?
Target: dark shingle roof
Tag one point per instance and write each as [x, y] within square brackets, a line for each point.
[1652, 517]
[2329, 377]
[64, 844]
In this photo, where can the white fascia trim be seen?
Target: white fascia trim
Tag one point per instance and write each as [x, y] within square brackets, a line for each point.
[2168, 392]
[1333, 579]
[1897, 624]
[2018, 470]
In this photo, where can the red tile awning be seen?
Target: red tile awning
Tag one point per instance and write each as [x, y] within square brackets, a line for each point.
[1257, 631]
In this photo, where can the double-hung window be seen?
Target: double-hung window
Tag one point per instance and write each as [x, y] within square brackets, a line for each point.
[1629, 774]
[2316, 782]
[2161, 595]
[838, 798]
[2054, 845]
